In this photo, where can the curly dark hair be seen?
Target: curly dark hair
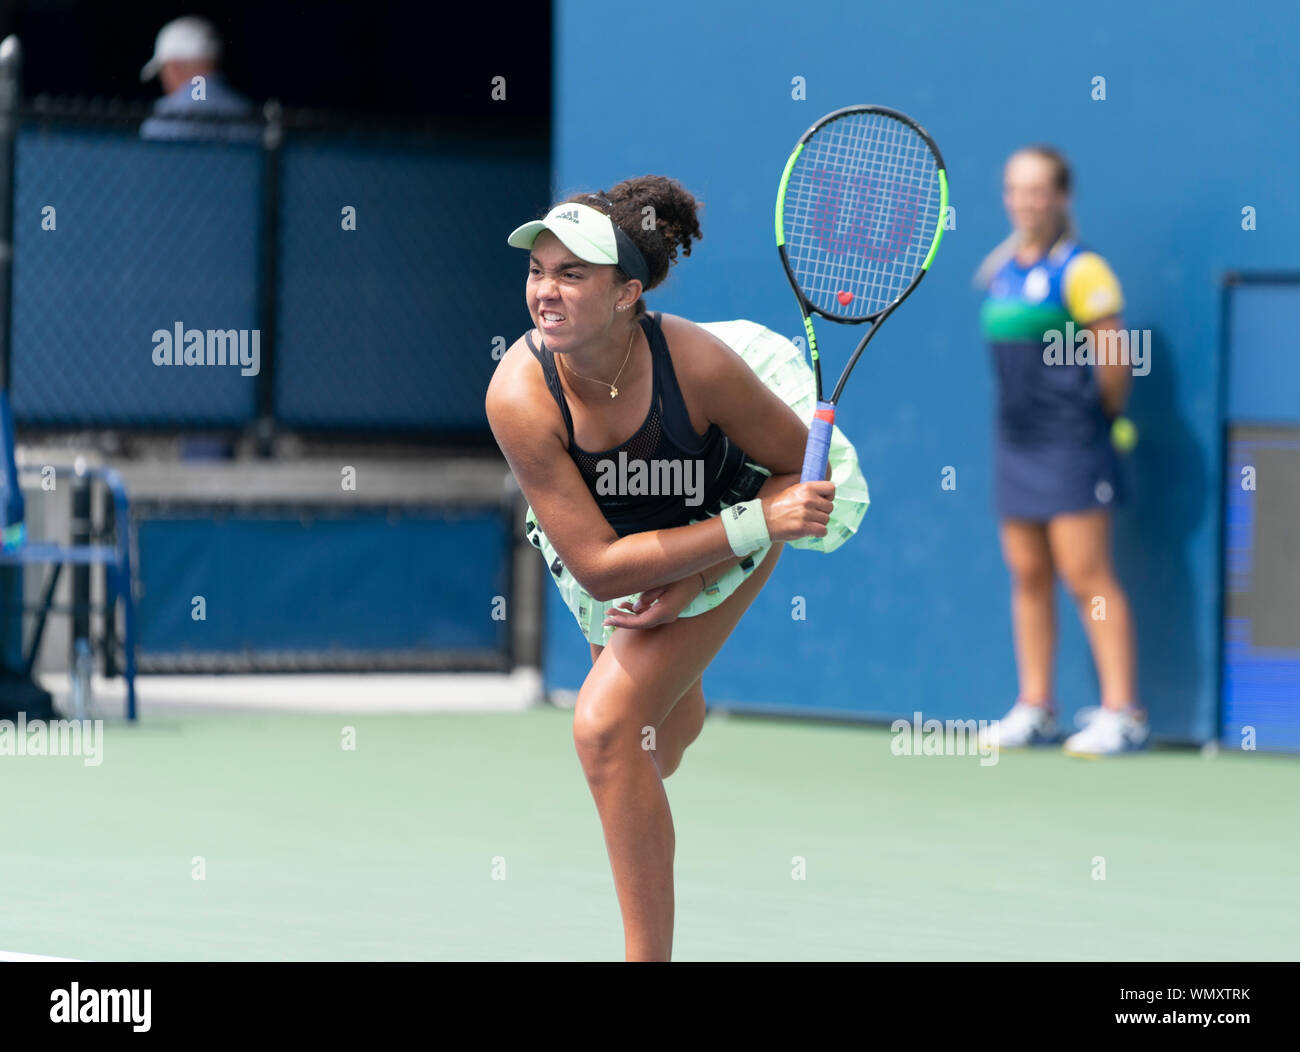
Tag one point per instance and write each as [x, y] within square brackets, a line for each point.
[658, 214]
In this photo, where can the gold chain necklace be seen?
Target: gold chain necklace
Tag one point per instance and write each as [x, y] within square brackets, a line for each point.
[613, 391]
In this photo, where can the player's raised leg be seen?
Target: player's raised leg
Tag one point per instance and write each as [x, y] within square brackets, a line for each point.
[679, 728]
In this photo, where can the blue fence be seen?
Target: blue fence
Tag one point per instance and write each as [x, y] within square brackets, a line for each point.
[392, 324]
[114, 239]
[390, 294]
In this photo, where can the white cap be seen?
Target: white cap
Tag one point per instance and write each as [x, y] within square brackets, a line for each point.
[589, 234]
[183, 40]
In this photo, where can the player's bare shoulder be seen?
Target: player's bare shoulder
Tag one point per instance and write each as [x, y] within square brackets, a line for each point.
[517, 398]
[514, 377]
[697, 354]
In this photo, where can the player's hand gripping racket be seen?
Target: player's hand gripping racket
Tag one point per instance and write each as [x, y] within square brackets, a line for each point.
[859, 217]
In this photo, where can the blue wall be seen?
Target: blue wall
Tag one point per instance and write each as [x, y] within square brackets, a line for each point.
[1198, 122]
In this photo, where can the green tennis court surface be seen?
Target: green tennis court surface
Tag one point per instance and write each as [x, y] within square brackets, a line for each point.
[388, 852]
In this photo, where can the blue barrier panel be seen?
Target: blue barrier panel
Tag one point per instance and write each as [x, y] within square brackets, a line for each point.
[1261, 626]
[115, 239]
[310, 582]
[1263, 370]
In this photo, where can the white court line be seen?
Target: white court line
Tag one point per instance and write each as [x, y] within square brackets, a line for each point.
[33, 957]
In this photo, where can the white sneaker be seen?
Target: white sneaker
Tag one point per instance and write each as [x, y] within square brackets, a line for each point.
[1024, 725]
[1107, 732]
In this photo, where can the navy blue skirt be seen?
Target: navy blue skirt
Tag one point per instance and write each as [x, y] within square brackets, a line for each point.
[1039, 481]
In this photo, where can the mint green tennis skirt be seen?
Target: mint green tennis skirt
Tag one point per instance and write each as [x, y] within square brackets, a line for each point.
[780, 365]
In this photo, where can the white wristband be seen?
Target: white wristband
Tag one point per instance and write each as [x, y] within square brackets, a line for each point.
[746, 527]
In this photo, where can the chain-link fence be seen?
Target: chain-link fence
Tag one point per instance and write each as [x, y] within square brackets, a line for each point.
[392, 324]
[348, 282]
[116, 239]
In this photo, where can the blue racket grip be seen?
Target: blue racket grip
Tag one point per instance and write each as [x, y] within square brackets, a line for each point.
[819, 444]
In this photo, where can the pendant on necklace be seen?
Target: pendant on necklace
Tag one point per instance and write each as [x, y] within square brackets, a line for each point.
[613, 392]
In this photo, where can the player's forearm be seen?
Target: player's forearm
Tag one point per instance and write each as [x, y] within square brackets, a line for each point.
[646, 560]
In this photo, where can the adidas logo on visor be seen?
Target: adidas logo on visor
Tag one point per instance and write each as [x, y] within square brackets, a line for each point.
[572, 217]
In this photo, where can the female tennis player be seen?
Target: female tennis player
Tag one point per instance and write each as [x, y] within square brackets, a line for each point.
[1057, 476]
[661, 468]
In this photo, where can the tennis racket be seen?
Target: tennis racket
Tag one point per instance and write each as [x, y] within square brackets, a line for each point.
[859, 217]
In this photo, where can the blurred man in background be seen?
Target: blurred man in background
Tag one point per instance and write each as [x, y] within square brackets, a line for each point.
[186, 61]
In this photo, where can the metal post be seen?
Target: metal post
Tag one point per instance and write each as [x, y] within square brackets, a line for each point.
[272, 137]
[107, 517]
[11, 498]
[81, 534]
[11, 60]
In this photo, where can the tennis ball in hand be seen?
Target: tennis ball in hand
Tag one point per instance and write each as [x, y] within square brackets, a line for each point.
[1123, 434]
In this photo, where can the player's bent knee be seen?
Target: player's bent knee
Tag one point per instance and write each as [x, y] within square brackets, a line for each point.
[669, 755]
[602, 737]
[595, 737]
[694, 729]
[668, 762]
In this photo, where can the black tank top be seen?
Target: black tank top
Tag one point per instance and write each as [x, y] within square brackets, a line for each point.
[665, 475]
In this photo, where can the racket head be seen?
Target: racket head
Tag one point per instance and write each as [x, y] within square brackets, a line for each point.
[859, 212]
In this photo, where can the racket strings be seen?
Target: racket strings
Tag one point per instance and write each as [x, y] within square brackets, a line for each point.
[861, 211]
